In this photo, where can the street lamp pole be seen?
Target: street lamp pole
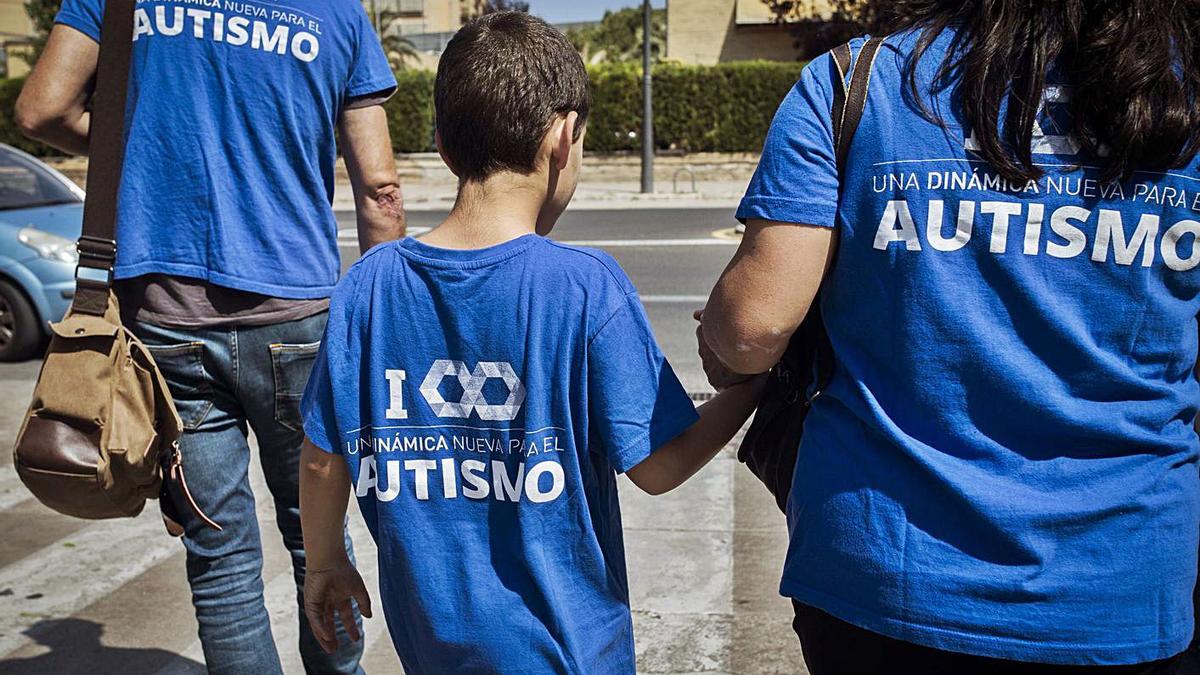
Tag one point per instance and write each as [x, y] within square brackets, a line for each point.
[647, 105]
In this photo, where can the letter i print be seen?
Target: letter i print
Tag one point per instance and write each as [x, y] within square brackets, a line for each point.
[396, 410]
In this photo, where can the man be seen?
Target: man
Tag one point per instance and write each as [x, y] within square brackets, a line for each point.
[227, 251]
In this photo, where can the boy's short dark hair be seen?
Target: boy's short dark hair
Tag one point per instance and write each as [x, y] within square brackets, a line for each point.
[500, 83]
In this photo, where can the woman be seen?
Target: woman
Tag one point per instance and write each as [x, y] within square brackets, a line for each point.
[1002, 475]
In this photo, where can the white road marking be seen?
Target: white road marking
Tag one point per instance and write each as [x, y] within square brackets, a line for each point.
[79, 569]
[651, 243]
[674, 299]
[350, 237]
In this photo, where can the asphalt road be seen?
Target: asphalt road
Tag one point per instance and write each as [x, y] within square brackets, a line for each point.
[704, 560]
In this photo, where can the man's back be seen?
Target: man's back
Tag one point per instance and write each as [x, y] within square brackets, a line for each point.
[482, 400]
[230, 147]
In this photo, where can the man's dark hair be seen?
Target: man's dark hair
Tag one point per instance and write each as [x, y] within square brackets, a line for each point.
[502, 80]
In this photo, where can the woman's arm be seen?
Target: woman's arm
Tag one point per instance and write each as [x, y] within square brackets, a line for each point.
[765, 292]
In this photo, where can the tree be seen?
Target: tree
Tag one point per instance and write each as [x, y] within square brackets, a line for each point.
[821, 25]
[476, 8]
[618, 36]
[41, 13]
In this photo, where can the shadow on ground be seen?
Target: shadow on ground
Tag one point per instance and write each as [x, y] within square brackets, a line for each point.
[76, 647]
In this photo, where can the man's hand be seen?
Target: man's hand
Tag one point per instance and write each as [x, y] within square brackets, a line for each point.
[367, 149]
[331, 590]
[720, 377]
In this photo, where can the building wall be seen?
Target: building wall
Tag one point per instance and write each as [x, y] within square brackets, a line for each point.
[418, 17]
[14, 27]
[715, 31]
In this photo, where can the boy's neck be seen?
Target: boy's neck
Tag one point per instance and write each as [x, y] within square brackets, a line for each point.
[490, 212]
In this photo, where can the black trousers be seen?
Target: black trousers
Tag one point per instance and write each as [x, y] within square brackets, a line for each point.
[834, 647]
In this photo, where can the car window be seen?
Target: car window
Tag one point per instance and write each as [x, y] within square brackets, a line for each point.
[25, 184]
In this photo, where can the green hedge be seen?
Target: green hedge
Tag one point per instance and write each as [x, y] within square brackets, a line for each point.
[723, 108]
[410, 111]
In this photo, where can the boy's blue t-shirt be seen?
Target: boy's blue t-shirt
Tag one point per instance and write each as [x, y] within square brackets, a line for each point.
[1004, 464]
[229, 163]
[483, 401]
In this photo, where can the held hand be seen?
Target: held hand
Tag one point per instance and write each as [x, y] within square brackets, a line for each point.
[719, 376]
[330, 590]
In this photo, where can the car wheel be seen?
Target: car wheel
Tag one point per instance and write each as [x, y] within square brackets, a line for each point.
[20, 332]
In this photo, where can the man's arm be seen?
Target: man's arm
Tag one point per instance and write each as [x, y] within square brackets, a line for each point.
[51, 107]
[765, 292]
[671, 465]
[367, 149]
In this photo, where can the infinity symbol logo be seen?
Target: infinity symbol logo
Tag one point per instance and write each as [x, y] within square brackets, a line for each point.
[473, 382]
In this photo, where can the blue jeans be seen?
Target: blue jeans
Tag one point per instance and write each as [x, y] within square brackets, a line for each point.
[224, 382]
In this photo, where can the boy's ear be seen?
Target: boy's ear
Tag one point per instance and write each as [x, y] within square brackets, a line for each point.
[437, 141]
[565, 139]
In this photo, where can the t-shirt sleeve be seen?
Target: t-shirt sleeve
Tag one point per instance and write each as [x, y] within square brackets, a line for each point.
[317, 407]
[370, 74]
[84, 16]
[797, 178]
[635, 400]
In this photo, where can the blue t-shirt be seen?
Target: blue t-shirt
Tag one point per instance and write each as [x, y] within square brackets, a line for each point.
[483, 401]
[229, 163]
[1004, 464]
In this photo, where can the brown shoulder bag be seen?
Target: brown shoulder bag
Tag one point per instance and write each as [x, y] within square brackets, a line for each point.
[101, 435]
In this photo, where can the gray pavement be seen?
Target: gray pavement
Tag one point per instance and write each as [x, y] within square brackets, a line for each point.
[704, 561]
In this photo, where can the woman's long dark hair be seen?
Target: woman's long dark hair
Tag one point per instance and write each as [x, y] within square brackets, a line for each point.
[1132, 66]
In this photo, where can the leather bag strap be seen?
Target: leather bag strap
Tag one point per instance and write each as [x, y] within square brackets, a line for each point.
[850, 100]
[849, 104]
[106, 157]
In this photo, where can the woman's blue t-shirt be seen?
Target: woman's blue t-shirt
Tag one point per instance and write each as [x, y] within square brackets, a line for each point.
[1004, 464]
[483, 401]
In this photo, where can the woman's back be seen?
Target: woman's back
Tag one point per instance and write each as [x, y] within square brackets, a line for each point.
[1004, 463]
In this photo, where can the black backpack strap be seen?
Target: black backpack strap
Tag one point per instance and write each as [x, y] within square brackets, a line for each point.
[849, 104]
[106, 157]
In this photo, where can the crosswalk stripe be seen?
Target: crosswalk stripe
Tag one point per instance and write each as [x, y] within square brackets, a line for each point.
[75, 571]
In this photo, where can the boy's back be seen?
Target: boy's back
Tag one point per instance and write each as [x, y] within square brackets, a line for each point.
[483, 399]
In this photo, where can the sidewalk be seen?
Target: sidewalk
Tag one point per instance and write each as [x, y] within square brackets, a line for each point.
[700, 180]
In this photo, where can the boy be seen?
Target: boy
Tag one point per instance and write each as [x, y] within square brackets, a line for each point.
[484, 384]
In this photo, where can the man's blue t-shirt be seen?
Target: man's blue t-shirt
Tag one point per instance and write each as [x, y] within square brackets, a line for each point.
[229, 166]
[1004, 464]
[483, 401]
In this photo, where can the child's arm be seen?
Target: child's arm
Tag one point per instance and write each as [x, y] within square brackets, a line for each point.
[672, 464]
[330, 580]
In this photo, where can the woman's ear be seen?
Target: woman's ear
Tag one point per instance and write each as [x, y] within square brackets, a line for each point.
[564, 139]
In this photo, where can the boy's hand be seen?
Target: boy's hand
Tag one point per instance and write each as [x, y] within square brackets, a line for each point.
[330, 590]
[719, 376]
